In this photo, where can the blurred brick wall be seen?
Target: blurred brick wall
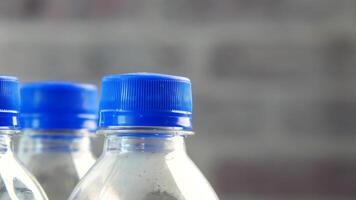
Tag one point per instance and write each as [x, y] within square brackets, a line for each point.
[275, 104]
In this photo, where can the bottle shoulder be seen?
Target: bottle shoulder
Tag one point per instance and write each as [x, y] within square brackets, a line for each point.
[61, 167]
[67, 164]
[16, 182]
[145, 176]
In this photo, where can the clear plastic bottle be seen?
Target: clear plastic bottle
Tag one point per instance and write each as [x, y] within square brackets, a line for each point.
[16, 183]
[57, 120]
[145, 118]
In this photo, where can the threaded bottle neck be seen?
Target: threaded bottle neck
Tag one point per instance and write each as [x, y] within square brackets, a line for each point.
[148, 141]
[55, 141]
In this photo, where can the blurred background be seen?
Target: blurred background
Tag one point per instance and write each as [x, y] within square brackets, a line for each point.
[274, 80]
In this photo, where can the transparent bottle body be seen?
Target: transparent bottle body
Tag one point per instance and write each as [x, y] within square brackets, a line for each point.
[57, 159]
[16, 183]
[134, 167]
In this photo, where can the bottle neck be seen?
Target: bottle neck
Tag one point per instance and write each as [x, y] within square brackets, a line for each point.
[55, 141]
[147, 141]
[5, 143]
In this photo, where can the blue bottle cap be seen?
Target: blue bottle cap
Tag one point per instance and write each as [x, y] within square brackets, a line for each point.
[146, 99]
[9, 102]
[58, 106]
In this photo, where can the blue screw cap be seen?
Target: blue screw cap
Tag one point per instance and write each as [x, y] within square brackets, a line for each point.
[58, 105]
[146, 99]
[9, 102]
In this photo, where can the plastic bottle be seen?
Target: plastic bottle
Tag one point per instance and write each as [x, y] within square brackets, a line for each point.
[145, 118]
[57, 120]
[16, 183]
